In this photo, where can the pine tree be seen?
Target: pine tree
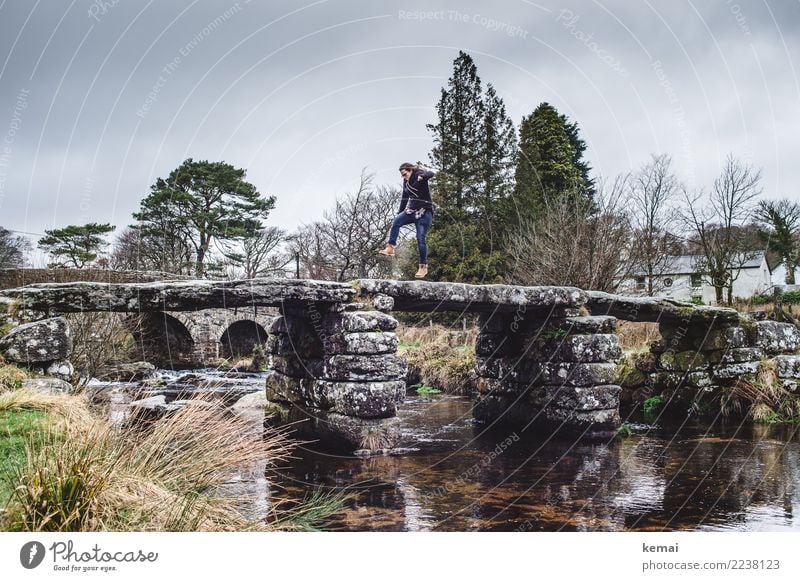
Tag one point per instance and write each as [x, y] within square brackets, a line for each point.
[203, 203]
[497, 156]
[473, 153]
[578, 147]
[549, 162]
[456, 137]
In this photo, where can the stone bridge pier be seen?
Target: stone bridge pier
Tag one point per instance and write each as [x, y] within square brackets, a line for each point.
[336, 374]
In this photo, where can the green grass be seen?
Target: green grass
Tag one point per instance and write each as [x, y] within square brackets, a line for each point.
[427, 390]
[409, 344]
[624, 431]
[652, 404]
[16, 428]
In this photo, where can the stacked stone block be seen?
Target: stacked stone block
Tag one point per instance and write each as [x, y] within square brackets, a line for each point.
[553, 369]
[336, 372]
[692, 362]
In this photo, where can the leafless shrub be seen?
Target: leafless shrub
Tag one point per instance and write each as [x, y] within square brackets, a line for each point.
[576, 244]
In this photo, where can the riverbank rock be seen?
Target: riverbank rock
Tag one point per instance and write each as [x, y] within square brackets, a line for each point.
[136, 371]
[60, 369]
[39, 342]
[775, 337]
[51, 385]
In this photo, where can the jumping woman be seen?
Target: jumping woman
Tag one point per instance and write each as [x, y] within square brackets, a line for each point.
[415, 207]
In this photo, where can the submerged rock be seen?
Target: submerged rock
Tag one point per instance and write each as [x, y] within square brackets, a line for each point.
[136, 371]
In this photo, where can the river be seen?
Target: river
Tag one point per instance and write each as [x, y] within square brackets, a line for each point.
[458, 476]
[667, 476]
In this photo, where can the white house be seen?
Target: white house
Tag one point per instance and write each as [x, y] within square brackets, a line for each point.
[779, 275]
[682, 281]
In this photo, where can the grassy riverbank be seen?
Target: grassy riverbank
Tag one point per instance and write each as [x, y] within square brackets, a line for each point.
[65, 467]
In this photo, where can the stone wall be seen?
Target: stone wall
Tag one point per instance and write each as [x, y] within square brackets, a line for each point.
[694, 364]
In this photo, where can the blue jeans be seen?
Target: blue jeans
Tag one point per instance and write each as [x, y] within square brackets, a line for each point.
[422, 225]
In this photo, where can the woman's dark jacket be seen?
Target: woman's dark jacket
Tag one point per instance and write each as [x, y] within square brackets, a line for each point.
[416, 193]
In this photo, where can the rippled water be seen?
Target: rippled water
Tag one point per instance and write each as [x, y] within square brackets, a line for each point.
[730, 476]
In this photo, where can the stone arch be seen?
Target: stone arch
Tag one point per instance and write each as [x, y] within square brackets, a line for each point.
[163, 339]
[240, 337]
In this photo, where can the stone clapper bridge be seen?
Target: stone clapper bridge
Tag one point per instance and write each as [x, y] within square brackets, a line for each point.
[546, 356]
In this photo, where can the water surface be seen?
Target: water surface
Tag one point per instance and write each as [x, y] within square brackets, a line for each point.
[462, 477]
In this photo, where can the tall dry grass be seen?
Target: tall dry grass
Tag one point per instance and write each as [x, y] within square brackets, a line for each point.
[637, 337]
[763, 399]
[440, 357]
[11, 377]
[89, 475]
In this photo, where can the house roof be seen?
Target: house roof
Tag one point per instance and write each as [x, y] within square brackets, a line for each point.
[687, 264]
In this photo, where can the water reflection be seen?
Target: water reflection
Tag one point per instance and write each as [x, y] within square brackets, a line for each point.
[463, 477]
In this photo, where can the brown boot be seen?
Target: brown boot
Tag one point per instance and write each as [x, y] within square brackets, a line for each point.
[422, 272]
[388, 251]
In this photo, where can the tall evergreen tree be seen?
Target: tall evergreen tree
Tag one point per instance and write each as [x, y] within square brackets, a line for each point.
[549, 162]
[457, 137]
[578, 147]
[473, 153]
[498, 149]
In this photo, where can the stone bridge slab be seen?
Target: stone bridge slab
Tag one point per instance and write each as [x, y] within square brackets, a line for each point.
[177, 295]
[423, 296]
[659, 310]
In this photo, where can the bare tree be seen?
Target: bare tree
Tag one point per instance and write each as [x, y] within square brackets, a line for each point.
[717, 223]
[13, 249]
[653, 189]
[163, 251]
[576, 244]
[259, 253]
[345, 243]
[782, 218]
[312, 245]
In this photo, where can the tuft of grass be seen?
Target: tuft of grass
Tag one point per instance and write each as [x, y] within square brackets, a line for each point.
[652, 404]
[443, 358]
[375, 438]
[11, 377]
[624, 431]
[427, 390]
[313, 512]
[763, 398]
[637, 337]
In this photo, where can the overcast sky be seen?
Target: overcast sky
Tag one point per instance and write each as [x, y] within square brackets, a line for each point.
[99, 98]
